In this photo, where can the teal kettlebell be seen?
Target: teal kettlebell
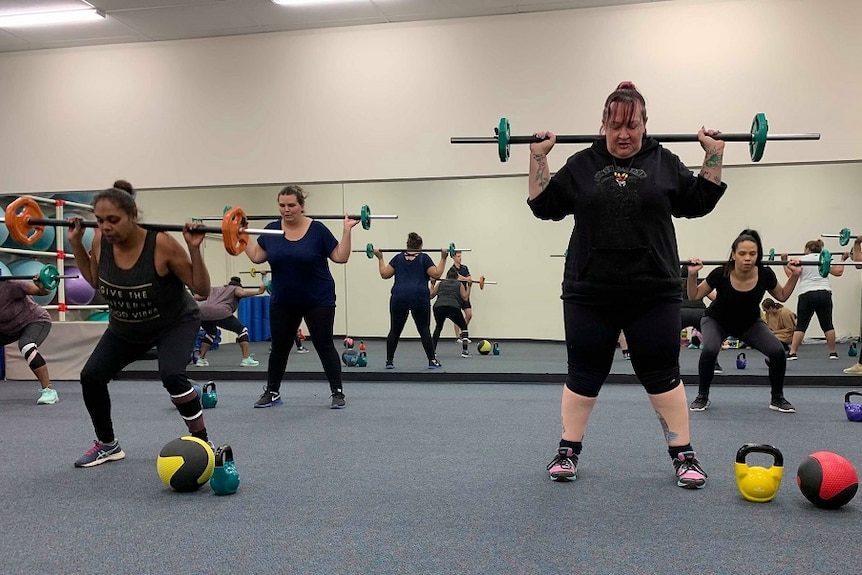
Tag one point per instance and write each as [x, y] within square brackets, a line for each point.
[495, 349]
[225, 477]
[209, 398]
[852, 351]
[362, 360]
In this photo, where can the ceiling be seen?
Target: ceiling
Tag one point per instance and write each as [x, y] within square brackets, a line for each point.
[155, 20]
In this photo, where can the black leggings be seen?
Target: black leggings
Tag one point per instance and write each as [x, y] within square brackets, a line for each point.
[397, 321]
[441, 314]
[284, 323]
[230, 323]
[811, 302]
[652, 333]
[112, 354]
[758, 336]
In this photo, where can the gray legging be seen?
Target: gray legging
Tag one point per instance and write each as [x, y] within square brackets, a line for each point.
[757, 336]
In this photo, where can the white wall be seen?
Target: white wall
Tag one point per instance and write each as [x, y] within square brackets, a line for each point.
[381, 102]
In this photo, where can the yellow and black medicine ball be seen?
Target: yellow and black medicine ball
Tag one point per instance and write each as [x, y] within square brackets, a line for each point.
[186, 463]
[484, 347]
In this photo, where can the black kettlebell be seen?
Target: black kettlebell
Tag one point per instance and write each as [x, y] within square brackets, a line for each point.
[209, 398]
[740, 361]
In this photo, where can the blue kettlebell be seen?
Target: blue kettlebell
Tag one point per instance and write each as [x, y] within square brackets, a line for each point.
[198, 389]
[495, 349]
[740, 361]
[853, 410]
[209, 398]
[225, 477]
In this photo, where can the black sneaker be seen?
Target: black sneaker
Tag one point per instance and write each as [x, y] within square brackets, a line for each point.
[833, 355]
[268, 398]
[626, 355]
[700, 403]
[717, 369]
[390, 365]
[564, 465]
[792, 357]
[434, 364]
[689, 473]
[782, 405]
[338, 401]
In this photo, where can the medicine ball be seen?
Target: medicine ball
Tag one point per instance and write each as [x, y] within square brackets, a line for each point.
[350, 358]
[348, 342]
[827, 480]
[186, 463]
[484, 347]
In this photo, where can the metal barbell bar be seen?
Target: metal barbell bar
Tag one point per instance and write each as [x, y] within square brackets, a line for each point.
[49, 276]
[481, 281]
[365, 216]
[26, 224]
[824, 263]
[843, 237]
[756, 138]
[369, 250]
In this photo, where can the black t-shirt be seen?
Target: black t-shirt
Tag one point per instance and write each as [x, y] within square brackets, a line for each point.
[736, 311]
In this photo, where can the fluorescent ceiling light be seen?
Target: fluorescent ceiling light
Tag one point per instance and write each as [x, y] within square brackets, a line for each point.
[45, 18]
[312, 2]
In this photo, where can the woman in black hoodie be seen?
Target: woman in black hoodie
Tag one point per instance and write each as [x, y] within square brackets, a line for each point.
[623, 192]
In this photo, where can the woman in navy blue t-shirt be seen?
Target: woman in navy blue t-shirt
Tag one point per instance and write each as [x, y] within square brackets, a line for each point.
[411, 295]
[302, 288]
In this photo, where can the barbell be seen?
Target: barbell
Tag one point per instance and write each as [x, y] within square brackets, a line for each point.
[756, 138]
[365, 216]
[253, 272]
[481, 281]
[369, 250]
[26, 225]
[773, 253]
[824, 263]
[48, 276]
[843, 237]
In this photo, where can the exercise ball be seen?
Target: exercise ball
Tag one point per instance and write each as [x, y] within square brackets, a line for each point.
[827, 480]
[4, 270]
[43, 244]
[484, 347]
[99, 316]
[186, 463]
[4, 233]
[78, 290]
[30, 268]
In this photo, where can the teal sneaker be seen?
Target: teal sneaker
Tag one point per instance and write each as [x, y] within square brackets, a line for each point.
[249, 362]
[48, 396]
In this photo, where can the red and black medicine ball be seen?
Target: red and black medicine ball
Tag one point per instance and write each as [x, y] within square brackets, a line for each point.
[827, 480]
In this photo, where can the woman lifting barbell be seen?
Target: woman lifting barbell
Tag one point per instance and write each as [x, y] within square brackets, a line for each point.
[142, 275]
[739, 286]
[28, 323]
[302, 288]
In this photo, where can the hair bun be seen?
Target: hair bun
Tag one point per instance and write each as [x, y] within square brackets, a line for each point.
[627, 85]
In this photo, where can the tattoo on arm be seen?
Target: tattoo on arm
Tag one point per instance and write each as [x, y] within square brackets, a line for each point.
[713, 158]
[708, 175]
[540, 178]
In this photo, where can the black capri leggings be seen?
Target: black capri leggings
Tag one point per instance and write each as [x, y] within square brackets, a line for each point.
[284, 323]
[441, 314]
[809, 303]
[230, 323]
[652, 333]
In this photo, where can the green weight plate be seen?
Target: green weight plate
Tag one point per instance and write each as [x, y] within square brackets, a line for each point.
[825, 263]
[772, 254]
[49, 277]
[759, 131]
[503, 134]
[369, 251]
[452, 250]
[268, 286]
[365, 217]
[844, 238]
[226, 210]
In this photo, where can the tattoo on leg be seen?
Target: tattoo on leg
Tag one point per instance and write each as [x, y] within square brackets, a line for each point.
[668, 434]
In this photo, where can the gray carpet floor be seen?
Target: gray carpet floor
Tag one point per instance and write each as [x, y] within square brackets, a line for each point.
[413, 478]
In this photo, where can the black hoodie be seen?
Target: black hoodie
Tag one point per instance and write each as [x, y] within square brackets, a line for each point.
[624, 242]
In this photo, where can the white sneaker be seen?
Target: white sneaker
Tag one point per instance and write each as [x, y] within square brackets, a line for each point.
[48, 397]
[855, 369]
[202, 363]
[249, 362]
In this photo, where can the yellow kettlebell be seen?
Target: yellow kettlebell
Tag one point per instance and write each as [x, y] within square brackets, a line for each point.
[759, 484]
